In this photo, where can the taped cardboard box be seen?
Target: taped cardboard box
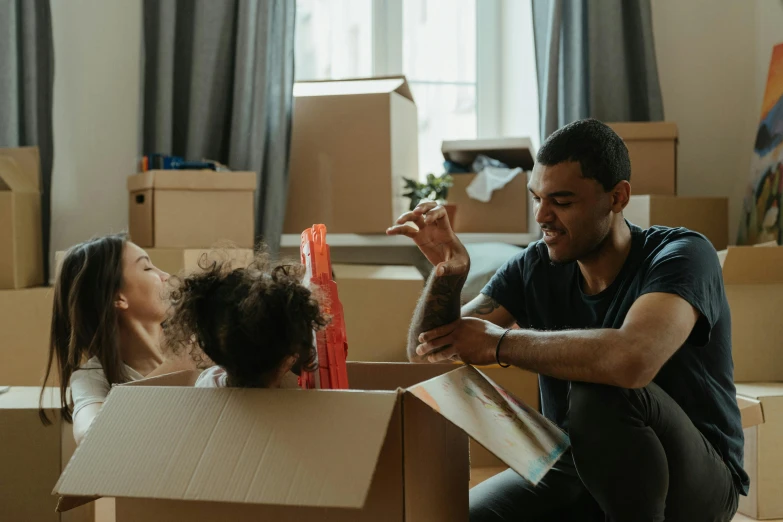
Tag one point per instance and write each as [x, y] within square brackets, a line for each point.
[506, 212]
[753, 278]
[352, 143]
[390, 376]
[652, 147]
[33, 456]
[25, 323]
[286, 455]
[21, 246]
[191, 208]
[763, 453]
[378, 303]
[708, 216]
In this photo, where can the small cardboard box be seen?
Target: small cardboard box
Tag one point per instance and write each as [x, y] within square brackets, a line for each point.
[708, 216]
[763, 453]
[389, 376]
[506, 212]
[21, 246]
[25, 323]
[653, 150]
[753, 278]
[33, 456]
[191, 208]
[352, 143]
[378, 303]
[291, 455]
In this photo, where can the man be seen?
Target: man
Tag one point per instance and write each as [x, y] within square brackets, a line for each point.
[629, 330]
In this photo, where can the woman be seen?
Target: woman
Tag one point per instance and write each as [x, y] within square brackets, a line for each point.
[256, 323]
[106, 326]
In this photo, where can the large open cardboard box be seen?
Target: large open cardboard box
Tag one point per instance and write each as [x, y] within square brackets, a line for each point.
[352, 143]
[191, 208]
[753, 277]
[506, 212]
[708, 216]
[33, 456]
[25, 323]
[290, 455]
[652, 147]
[21, 246]
[763, 452]
[378, 303]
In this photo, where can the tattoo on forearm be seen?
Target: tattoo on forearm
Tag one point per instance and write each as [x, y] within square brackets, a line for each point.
[439, 305]
[485, 306]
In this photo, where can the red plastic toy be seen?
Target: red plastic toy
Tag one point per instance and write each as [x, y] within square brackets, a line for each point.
[332, 345]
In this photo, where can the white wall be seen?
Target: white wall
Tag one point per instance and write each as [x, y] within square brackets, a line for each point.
[97, 85]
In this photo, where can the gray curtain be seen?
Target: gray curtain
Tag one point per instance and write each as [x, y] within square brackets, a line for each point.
[27, 87]
[595, 59]
[218, 84]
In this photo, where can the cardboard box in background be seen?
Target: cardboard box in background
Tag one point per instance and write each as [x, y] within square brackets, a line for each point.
[33, 456]
[763, 452]
[753, 278]
[652, 147]
[506, 212]
[360, 456]
[378, 303]
[25, 323]
[21, 246]
[191, 208]
[353, 141]
[708, 216]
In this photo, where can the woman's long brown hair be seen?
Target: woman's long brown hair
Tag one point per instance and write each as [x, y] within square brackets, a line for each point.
[84, 319]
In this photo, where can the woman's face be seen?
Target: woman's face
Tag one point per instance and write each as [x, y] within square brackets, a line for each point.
[142, 294]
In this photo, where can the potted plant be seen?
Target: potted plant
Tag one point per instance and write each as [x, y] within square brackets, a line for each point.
[435, 188]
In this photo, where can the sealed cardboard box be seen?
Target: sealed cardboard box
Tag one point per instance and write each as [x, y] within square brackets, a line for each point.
[291, 455]
[652, 147]
[191, 208]
[390, 376]
[378, 303]
[708, 216]
[21, 246]
[352, 143]
[763, 453]
[33, 456]
[506, 211]
[25, 323]
[753, 278]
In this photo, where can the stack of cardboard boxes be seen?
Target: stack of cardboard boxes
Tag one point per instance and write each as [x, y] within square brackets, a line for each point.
[753, 277]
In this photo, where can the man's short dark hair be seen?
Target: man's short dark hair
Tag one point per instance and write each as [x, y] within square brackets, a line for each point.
[601, 153]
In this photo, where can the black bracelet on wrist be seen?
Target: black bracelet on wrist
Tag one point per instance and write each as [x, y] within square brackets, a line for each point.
[497, 350]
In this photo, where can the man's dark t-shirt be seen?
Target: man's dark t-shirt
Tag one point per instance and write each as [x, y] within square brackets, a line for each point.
[699, 377]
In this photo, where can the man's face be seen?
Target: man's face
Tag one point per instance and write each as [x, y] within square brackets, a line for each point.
[574, 212]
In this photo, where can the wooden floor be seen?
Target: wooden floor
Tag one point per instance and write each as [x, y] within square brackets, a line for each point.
[479, 475]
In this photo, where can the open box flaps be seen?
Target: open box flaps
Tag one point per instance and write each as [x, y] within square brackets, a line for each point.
[377, 85]
[514, 152]
[13, 178]
[752, 265]
[284, 447]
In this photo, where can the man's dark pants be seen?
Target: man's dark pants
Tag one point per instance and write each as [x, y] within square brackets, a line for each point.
[636, 456]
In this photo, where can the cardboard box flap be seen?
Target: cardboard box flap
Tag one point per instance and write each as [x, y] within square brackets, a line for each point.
[512, 431]
[285, 447]
[749, 265]
[192, 180]
[751, 412]
[514, 152]
[379, 85]
[29, 161]
[13, 178]
[652, 130]
[759, 390]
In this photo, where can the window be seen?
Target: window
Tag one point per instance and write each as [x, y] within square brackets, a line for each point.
[451, 51]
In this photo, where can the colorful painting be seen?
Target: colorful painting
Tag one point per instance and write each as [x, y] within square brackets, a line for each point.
[514, 432]
[761, 220]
